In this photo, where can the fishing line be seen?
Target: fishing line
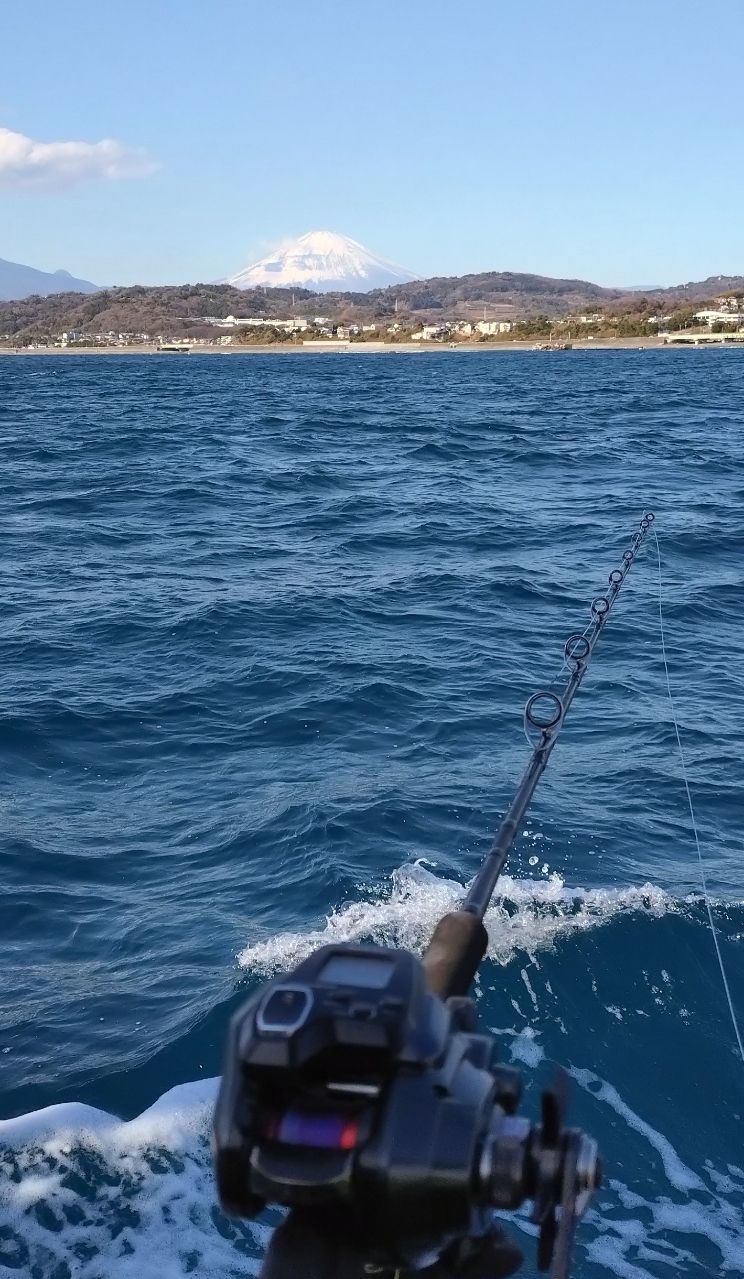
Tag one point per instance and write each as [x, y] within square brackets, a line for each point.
[703, 878]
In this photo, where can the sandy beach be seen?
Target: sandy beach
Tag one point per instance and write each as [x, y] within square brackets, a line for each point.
[355, 348]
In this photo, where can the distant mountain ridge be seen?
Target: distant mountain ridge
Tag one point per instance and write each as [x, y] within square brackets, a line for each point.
[504, 293]
[323, 261]
[513, 292]
[19, 281]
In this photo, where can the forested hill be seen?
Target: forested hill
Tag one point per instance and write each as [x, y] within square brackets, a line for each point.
[503, 290]
[182, 306]
[171, 309]
[182, 309]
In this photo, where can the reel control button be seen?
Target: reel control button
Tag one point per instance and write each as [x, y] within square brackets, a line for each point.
[284, 1010]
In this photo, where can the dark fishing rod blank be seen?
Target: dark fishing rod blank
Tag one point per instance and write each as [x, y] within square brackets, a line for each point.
[460, 939]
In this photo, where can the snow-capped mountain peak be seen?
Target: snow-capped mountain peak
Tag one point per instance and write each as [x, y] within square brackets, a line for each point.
[323, 261]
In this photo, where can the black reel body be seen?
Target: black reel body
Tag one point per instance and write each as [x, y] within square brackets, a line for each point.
[358, 1093]
[350, 1088]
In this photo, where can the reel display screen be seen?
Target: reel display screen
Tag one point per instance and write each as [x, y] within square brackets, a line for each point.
[357, 970]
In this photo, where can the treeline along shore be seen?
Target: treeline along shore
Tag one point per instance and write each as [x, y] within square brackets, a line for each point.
[494, 308]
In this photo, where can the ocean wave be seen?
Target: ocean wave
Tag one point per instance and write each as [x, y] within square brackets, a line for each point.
[85, 1195]
[527, 916]
[285, 615]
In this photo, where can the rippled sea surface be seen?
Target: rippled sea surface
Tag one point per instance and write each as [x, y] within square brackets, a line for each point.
[269, 626]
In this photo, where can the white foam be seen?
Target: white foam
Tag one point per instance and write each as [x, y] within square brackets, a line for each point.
[709, 1211]
[136, 1199]
[678, 1174]
[677, 1235]
[172, 1121]
[527, 916]
[723, 1227]
[131, 1200]
[530, 989]
[33, 1188]
[525, 1048]
[610, 1253]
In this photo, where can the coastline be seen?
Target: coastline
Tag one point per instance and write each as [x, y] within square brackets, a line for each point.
[355, 348]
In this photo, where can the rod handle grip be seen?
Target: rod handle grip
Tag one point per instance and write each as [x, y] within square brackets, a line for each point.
[454, 953]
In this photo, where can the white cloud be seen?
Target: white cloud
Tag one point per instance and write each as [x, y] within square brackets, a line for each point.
[28, 164]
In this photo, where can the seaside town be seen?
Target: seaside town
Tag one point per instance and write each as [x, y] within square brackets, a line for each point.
[720, 321]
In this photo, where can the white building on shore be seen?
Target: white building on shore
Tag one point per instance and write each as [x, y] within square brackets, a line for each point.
[489, 328]
[718, 317]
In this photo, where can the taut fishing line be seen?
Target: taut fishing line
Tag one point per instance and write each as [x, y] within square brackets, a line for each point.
[683, 767]
[577, 651]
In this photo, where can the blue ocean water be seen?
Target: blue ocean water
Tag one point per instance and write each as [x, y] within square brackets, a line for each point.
[269, 626]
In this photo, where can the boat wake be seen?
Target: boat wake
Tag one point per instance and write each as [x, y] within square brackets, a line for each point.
[85, 1194]
[527, 916]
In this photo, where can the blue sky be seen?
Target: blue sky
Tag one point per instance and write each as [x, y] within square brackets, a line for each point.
[601, 140]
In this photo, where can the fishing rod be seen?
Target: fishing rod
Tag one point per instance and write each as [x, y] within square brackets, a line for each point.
[460, 940]
[358, 1092]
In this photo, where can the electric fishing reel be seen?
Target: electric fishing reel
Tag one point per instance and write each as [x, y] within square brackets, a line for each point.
[351, 1092]
[358, 1093]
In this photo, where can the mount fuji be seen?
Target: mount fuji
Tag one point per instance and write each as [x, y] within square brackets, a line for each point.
[324, 262]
